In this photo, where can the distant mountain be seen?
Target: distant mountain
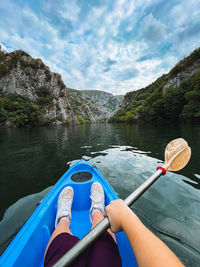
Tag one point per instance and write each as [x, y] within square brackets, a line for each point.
[172, 97]
[85, 108]
[30, 94]
[114, 103]
[104, 99]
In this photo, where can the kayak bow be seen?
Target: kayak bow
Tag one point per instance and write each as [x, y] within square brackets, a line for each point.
[28, 247]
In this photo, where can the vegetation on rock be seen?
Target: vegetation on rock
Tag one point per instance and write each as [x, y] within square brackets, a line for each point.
[45, 96]
[114, 102]
[81, 119]
[17, 110]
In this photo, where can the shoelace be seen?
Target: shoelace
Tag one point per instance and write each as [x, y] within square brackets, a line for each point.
[97, 202]
[97, 198]
[66, 203]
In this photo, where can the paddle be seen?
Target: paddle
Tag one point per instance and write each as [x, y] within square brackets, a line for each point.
[177, 155]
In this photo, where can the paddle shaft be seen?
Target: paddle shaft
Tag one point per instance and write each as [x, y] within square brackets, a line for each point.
[101, 227]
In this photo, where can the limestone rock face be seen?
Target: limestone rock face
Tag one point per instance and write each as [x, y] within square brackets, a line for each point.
[183, 75]
[97, 96]
[30, 77]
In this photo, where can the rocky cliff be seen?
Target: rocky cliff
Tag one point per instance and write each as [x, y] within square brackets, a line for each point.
[31, 94]
[173, 96]
[183, 71]
[21, 74]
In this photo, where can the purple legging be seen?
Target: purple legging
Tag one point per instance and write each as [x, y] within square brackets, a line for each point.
[104, 252]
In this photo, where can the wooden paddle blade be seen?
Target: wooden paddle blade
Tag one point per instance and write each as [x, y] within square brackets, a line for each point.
[177, 154]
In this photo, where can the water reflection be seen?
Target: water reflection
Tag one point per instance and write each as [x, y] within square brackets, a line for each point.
[32, 159]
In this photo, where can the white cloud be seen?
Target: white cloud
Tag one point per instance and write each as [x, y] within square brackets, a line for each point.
[183, 13]
[121, 30]
[152, 29]
[70, 10]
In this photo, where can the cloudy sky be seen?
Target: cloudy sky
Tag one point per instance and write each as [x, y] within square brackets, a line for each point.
[115, 46]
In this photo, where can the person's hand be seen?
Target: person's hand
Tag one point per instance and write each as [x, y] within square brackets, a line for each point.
[117, 211]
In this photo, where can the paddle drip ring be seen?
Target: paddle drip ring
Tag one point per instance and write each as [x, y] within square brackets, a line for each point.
[163, 170]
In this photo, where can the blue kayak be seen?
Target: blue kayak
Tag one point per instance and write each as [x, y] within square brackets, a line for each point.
[28, 247]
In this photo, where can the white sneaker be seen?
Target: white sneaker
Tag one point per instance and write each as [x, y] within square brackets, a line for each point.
[98, 198]
[64, 205]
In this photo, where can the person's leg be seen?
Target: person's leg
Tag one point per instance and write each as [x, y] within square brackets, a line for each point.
[104, 252]
[63, 215]
[62, 239]
[97, 217]
[63, 227]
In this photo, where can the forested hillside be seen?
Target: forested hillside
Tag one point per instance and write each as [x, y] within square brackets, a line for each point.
[174, 96]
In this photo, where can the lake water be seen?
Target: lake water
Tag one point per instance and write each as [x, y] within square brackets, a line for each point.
[33, 159]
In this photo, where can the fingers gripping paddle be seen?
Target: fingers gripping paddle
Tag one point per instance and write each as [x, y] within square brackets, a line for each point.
[177, 155]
